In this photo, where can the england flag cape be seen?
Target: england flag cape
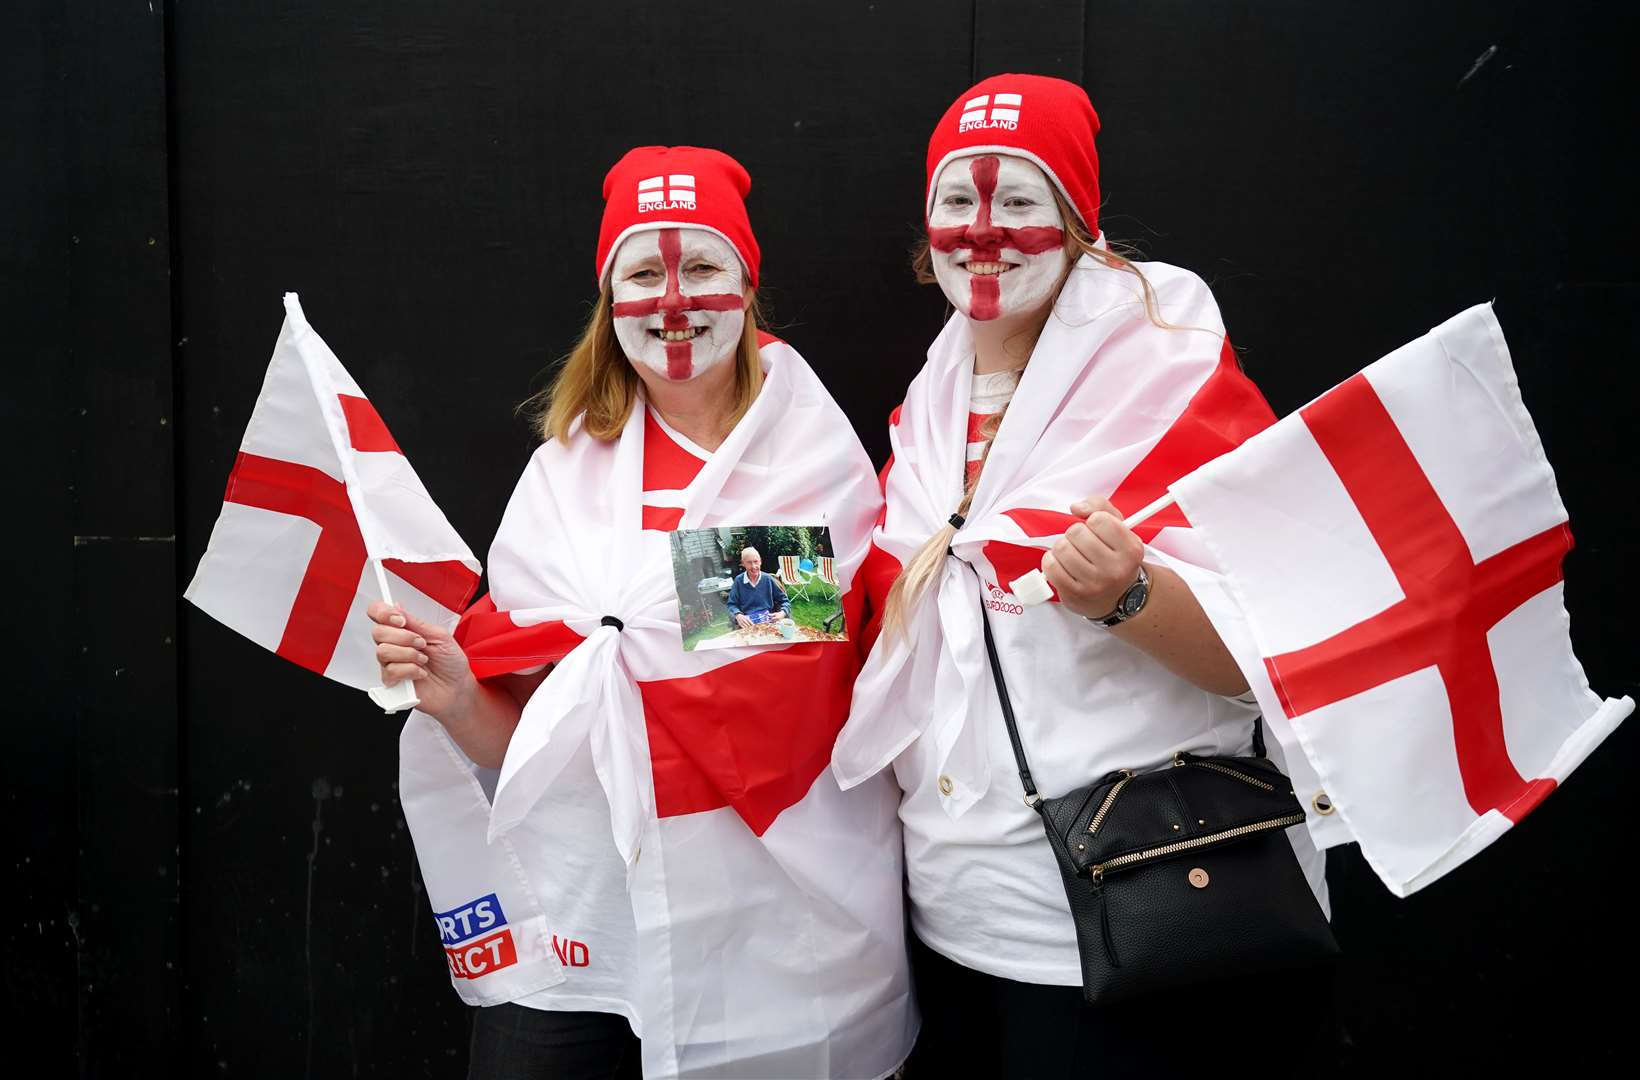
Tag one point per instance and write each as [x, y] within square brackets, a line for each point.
[766, 900]
[1110, 404]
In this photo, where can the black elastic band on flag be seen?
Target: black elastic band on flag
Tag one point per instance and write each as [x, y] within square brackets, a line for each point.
[610, 620]
[955, 521]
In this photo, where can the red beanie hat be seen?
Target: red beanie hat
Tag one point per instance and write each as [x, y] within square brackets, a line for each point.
[1048, 121]
[666, 187]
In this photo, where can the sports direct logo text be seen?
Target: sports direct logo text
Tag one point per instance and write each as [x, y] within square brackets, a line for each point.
[673, 192]
[476, 940]
[1003, 113]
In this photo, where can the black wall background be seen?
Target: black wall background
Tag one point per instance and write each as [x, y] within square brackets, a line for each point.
[210, 872]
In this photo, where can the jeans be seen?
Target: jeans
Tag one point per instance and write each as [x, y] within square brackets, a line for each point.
[979, 1025]
[512, 1042]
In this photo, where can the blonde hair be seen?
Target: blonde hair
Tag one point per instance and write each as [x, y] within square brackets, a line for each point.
[919, 571]
[596, 380]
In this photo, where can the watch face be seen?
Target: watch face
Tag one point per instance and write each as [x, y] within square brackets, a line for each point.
[1134, 598]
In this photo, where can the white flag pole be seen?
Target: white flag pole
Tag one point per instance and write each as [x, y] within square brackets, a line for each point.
[402, 696]
[1033, 588]
[1150, 511]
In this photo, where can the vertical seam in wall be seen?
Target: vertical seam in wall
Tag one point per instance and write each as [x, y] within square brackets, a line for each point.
[184, 1025]
[1082, 47]
[973, 50]
[1082, 59]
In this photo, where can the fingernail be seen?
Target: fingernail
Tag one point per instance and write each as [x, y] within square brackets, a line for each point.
[421, 643]
[396, 620]
[421, 658]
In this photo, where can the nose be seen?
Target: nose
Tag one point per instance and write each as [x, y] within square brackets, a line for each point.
[983, 234]
[672, 304]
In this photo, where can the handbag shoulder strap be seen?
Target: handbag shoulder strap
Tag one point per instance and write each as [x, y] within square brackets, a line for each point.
[1031, 797]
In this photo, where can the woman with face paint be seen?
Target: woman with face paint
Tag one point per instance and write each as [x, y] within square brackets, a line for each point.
[1067, 390]
[665, 870]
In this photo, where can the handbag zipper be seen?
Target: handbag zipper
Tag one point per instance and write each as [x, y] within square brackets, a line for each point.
[1098, 871]
[1181, 759]
[1104, 807]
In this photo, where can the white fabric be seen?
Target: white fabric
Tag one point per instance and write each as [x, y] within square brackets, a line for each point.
[1303, 566]
[447, 807]
[774, 955]
[256, 559]
[1102, 387]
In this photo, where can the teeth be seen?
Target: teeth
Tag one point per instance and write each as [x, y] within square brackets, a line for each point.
[988, 268]
[681, 335]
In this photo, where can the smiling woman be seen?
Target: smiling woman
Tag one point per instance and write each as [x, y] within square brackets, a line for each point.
[1066, 382]
[612, 742]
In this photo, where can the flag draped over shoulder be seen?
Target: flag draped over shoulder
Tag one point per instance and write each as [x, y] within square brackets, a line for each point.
[737, 842]
[318, 491]
[1395, 547]
[1109, 405]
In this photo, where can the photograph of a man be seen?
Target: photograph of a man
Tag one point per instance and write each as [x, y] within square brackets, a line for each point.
[756, 597]
[722, 605]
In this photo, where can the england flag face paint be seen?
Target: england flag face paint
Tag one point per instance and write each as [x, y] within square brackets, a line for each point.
[680, 301]
[998, 239]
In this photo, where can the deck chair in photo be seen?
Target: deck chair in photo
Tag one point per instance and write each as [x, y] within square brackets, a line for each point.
[792, 578]
[827, 575]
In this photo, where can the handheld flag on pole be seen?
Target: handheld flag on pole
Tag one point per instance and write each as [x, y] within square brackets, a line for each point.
[1396, 548]
[322, 515]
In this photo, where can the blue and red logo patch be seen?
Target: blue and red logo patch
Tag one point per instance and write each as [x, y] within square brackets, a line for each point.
[476, 939]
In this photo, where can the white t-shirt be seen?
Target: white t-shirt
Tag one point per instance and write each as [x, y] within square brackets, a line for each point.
[985, 889]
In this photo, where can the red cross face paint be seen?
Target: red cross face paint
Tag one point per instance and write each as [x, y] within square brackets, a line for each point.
[680, 301]
[997, 236]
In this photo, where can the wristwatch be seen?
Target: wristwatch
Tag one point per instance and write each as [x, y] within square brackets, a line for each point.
[1130, 603]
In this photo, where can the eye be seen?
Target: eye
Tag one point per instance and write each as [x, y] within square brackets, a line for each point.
[704, 268]
[1019, 202]
[644, 277]
[958, 200]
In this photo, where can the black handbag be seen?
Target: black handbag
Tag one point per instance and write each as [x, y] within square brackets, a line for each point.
[1179, 876]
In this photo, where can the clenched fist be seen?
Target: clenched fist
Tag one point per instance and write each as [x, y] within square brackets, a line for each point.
[1096, 560]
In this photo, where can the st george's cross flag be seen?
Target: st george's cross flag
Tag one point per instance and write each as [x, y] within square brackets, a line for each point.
[319, 490]
[1396, 548]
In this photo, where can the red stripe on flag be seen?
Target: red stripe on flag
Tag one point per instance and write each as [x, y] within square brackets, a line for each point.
[332, 577]
[1450, 600]
[365, 429]
[724, 738]
[450, 583]
[495, 645]
[666, 465]
[1224, 412]
[1013, 561]
[875, 577]
[663, 518]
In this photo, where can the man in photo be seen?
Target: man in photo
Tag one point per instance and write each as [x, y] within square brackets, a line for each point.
[755, 596]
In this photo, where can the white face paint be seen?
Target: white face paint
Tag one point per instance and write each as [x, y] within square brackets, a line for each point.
[997, 237]
[680, 302]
